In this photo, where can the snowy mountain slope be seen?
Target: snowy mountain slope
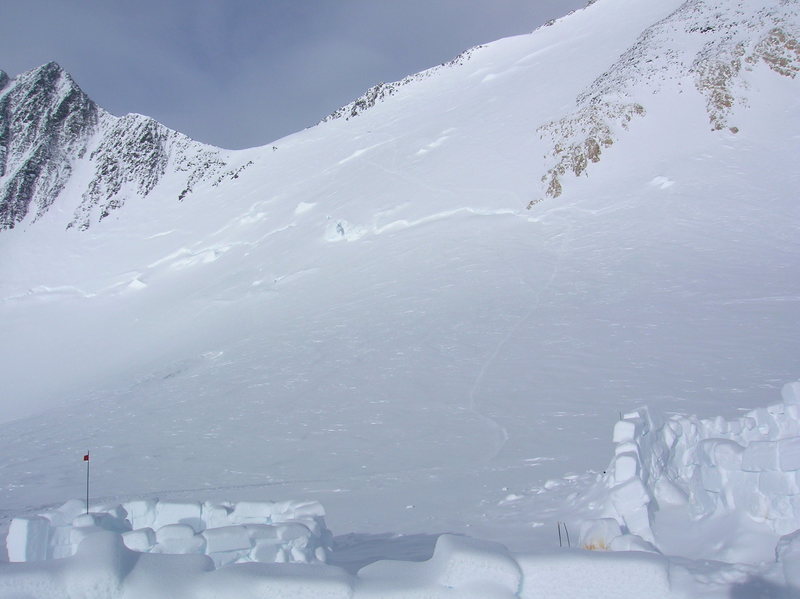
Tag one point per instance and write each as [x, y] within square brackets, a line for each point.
[369, 316]
[712, 45]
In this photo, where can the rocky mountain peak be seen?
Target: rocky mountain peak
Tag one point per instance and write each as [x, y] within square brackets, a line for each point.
[49, 128]
[45, 122]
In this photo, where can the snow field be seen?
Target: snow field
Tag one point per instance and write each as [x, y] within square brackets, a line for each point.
[103, 567]
[248, 531]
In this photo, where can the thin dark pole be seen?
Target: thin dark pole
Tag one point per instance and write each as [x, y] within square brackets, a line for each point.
[87, 481]
[559, 533]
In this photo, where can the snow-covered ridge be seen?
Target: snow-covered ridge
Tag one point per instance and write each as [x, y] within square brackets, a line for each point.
[131, 157]
[51, 132]
[381, 91]
[248, 531]
[377, 93]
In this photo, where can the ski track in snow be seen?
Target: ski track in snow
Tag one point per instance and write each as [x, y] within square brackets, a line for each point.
[474, 403]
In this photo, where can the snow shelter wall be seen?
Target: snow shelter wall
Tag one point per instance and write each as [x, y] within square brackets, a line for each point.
[461, 568]
[712, 466]
[265, 532]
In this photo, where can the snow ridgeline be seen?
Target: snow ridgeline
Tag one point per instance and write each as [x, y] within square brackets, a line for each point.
[461, 568]
[707, 467]
[248, 531]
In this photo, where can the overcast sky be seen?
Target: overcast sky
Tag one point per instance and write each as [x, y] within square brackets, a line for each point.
[242, 73]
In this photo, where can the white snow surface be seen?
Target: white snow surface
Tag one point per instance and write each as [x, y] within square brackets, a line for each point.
[369, 317]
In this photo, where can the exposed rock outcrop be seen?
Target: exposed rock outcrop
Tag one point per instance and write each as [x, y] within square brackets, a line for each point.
[711, 45]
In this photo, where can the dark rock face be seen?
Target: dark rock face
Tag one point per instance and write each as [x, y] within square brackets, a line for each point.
[3, 126]
[49, 127]
[45, 120]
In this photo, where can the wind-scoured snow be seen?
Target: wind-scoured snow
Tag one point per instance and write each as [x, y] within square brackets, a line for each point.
[390, 314]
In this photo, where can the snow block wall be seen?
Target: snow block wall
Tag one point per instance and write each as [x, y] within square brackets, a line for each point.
[288, 531]
[750, 464]
[461, 568]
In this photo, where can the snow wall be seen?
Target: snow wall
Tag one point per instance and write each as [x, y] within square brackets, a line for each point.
[288, 531]
[750, 465]
[461, 568]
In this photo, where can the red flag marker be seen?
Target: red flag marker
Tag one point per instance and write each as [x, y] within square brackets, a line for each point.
[86, 459]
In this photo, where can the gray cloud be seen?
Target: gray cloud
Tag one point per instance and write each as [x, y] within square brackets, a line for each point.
[241, 73]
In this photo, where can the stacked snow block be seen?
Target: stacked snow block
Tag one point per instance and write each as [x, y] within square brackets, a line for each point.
[267, 532]
[461, 568]
[750, 464]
